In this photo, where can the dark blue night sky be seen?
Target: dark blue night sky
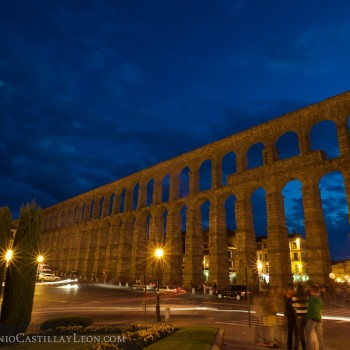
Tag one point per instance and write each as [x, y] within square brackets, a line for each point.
[91, 91]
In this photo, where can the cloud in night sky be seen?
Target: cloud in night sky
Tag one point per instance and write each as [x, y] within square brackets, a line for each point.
[92, 91]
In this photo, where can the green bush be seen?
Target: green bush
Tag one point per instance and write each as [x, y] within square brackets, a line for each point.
[17, 303]
[66, 321]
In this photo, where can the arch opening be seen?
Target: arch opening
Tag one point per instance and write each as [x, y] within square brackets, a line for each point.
[150, 188]
[228, 166]
[122, 201]
[323, 136]
[205, 176]
[111, 203]
[294, 207]
[287, 145]
[255, 156]
[101, 207]
[336, 211]
[184, 183]
[135, 196]
[166, 188]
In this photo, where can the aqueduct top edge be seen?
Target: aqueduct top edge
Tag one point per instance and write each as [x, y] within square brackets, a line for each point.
[302, 118]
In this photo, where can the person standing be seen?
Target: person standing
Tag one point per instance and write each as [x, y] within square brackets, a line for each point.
[314, 319]
[274, 302]
[292, 335]
[259, 305]
[299, 302]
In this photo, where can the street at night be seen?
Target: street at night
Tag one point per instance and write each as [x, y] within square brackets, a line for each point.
[107, 304]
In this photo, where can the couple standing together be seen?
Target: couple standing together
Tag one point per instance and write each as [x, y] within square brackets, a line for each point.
[303, 309]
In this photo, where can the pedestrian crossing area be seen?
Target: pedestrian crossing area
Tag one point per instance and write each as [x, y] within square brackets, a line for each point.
[338, 315]
[344, 311]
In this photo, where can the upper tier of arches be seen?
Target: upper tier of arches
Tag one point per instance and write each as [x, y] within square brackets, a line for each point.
[217, 165]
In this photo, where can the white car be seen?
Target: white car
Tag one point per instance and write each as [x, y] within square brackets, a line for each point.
[165, 288]
[47, 277]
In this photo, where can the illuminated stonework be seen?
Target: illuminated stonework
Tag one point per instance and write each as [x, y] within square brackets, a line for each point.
[101, 234]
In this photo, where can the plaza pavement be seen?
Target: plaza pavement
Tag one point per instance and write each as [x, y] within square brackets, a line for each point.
[236, 336]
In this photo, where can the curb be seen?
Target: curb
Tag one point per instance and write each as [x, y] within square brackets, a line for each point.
[218, 340]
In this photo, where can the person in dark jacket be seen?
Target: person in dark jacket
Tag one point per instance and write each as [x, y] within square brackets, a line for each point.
[314, 319]
[293, 336]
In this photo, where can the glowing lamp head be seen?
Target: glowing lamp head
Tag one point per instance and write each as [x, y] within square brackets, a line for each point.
[159, 253]
[40, 259]
[9, 255]
[260, 266]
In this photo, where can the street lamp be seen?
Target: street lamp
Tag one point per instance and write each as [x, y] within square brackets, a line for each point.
[40, 259]
[260, 266]
[159, 254]
[8, 256]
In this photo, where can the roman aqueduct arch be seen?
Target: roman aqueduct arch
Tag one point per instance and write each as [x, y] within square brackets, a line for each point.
[104, 232]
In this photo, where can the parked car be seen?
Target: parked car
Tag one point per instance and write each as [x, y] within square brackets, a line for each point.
[47, 277]
[235, 291]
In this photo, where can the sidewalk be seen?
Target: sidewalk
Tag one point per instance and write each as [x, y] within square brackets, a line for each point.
[232, 338]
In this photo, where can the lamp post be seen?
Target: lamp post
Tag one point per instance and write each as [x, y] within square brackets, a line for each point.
[8, 257]
[332, 277]
[260, 272]
[159, 254]
[248, 292]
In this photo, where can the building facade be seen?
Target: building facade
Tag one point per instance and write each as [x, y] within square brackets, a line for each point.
[113, 230]
[341, 271]
[298, 258]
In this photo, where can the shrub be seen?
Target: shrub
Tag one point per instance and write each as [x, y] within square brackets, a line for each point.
[137, 337]
[17, 303]
[66, 321]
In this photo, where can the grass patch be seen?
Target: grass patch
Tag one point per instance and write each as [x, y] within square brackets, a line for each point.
[187, 338]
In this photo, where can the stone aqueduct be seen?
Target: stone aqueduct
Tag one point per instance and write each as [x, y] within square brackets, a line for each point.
[92, 234]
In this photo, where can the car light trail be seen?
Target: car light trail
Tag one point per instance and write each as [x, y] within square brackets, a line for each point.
[175, 309]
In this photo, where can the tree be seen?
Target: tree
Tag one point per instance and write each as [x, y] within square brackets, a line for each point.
[17, 305]
[5, 235]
